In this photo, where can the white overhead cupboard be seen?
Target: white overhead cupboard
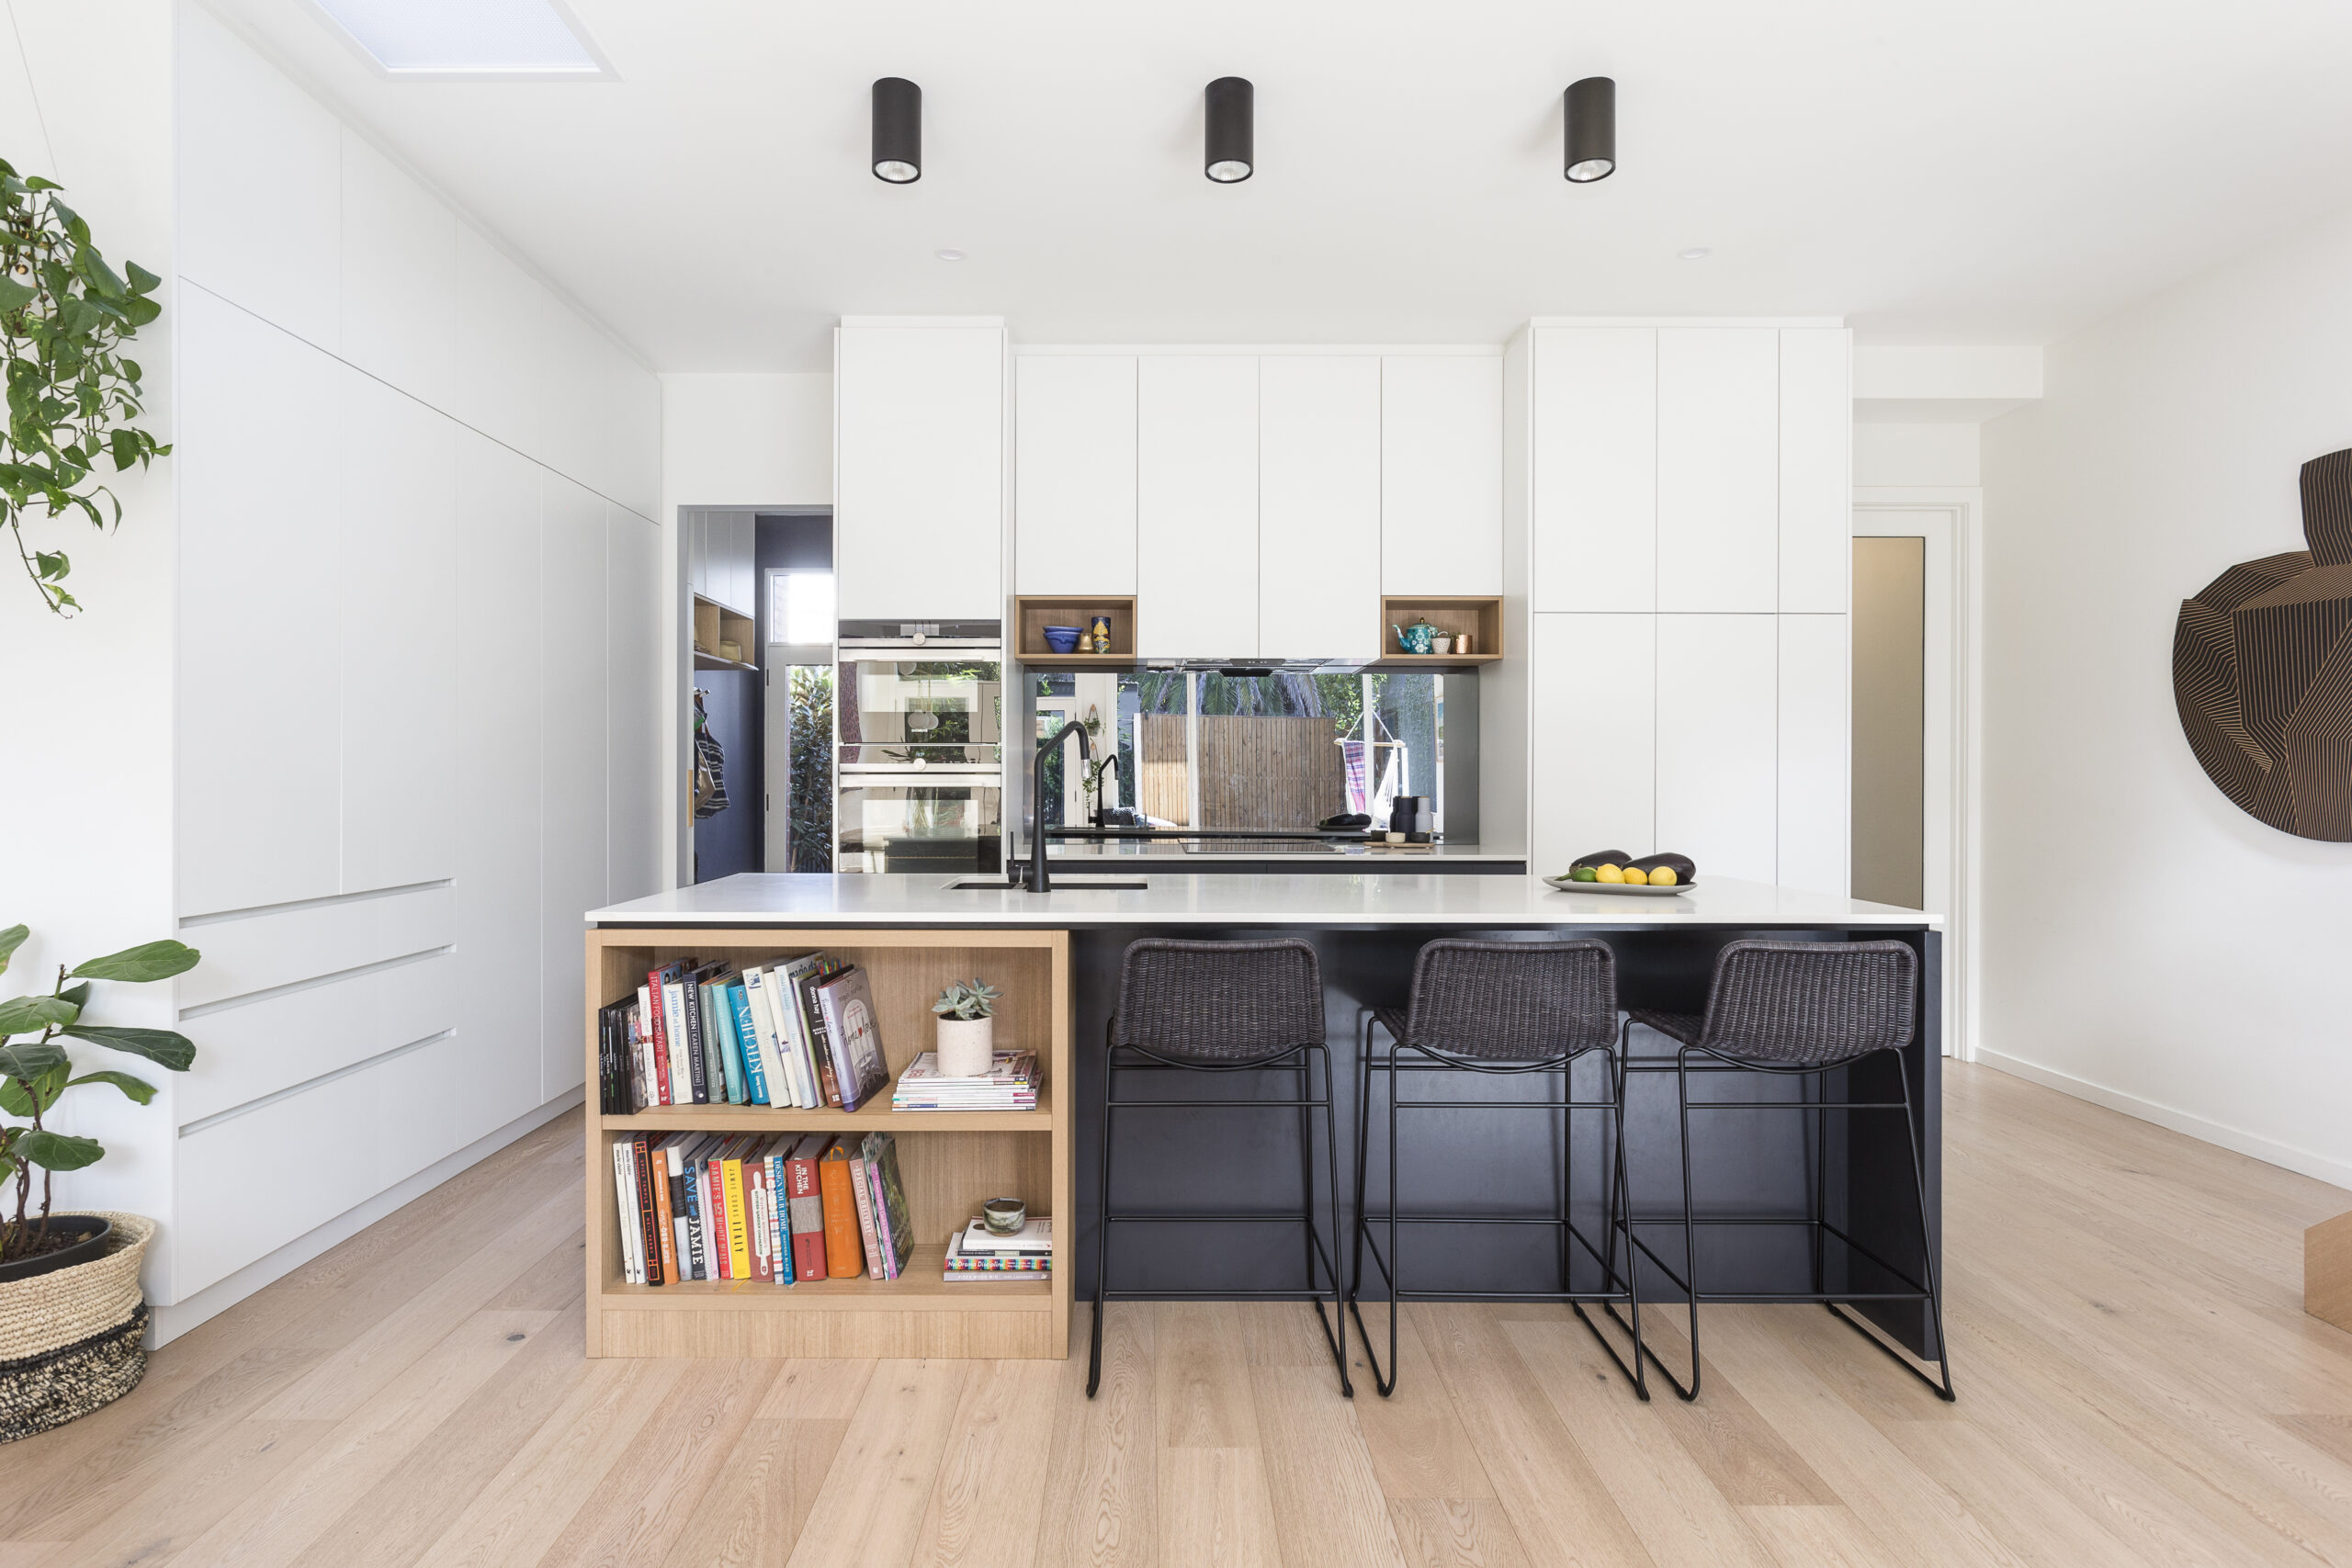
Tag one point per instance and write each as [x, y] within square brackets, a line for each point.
[919, 437]
[1687, 488]
[1257, 505]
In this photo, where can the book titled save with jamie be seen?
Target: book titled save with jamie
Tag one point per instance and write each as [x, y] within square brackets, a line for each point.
[854, 1035]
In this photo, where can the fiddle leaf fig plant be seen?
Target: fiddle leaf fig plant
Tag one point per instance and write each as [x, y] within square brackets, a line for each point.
[73, 395]
[35, 1071]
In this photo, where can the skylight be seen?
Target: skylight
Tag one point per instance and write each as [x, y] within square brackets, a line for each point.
[466, 38]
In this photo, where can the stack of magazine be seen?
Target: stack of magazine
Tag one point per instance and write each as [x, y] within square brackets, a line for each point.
[1011, 1085]
[977, 1252]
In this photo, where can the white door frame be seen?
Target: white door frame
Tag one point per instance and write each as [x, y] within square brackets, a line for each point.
[1950, 518]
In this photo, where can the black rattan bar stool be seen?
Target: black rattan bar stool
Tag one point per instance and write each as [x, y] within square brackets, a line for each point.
[1225, 1007]
[1499, 1007]
[1798, 1009]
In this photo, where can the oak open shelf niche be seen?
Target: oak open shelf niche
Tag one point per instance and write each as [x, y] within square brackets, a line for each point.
[1034, 613]
[716, 626]
[1479, 614]
[950, 1160]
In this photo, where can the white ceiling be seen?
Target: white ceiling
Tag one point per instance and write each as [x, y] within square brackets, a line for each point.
[1936, 171]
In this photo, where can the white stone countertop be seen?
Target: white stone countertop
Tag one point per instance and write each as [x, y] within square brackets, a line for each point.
[1171, 851]
[1327, 898]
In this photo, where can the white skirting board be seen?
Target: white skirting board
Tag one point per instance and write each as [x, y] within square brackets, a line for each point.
[167, 1324]
[2335, 1172]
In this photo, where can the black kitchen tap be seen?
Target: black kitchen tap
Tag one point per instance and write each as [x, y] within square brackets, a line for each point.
[1038, 877]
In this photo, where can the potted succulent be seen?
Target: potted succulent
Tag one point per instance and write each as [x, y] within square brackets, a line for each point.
[966, 1012]
[71, 1317]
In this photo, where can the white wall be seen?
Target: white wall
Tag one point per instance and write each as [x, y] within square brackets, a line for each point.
[1937, 453]
[417, 676]
[2145, 943]
[85, 99]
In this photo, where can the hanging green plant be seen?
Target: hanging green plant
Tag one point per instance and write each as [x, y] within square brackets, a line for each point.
[64, 316]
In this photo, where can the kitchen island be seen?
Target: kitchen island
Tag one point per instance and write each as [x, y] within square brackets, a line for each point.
[1057, 955]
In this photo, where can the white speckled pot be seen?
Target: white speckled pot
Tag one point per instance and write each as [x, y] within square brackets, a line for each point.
[966, 1046]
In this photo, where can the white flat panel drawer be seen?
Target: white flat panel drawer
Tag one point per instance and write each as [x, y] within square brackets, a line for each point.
[1592, 746]
[1593, 506]
[1718, 705]
[249, 1186]
[245, 1053]
[260, 952]
[1718, 468]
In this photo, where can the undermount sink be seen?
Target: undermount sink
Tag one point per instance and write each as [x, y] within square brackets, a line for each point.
[1061, 885]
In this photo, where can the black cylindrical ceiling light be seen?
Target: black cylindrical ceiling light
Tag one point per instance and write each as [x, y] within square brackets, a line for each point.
[1232, 119]
[898, 131]
[1592, 131]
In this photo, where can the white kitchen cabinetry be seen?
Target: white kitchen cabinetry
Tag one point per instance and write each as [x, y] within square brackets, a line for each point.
[1816, 470]
[1718, 714]
[399, 275]
[1593, 507]
[573, 779]
[1074, 473]
[1593, 742]
[1816, 770]
[919, 485]
[1440, 474]
[721, 547]
[1718, 468]
[1196, 505]
[1318, 506]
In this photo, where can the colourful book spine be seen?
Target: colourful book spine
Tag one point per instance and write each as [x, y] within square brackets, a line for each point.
[658, 1026]
[891, 1218]
[690, 1183]
[665, 1234]
[739, 1214]
[649, 1239]
[673, 1013]
[808, 1209]
[844, 1257]
[681, 1221]
[781, 1211]
[751, 1032]
[763, 1235]
[735, 1034]
[862, 1194]
[886, 1255]
[625, 1201]
[713, 1179]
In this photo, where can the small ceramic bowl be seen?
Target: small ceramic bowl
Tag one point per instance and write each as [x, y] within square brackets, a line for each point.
[1005, 1216]
[1062, 640]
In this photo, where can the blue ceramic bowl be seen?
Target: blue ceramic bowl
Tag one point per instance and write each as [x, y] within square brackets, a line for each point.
[1062, 640]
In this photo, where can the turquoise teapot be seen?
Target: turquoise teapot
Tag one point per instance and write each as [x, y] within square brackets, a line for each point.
[1418, 638]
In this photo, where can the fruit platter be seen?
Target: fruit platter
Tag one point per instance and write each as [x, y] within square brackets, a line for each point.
[1615, 871]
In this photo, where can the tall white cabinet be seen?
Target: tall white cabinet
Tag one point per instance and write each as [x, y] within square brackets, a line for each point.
[918, 436]
[1196, 505]
[1687, 487]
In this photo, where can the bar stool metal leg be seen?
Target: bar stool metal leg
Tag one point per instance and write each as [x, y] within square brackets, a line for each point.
[1102, 1210]
[1935, 1294]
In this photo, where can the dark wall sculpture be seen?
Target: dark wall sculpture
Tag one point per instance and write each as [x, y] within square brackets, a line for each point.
[2262, 670]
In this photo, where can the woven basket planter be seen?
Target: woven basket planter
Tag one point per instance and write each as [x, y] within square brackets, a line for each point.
[70, 1339]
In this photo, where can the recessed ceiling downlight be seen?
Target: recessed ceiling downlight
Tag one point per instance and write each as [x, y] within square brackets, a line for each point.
[466, 38]
[1694, 253]
[951, 254]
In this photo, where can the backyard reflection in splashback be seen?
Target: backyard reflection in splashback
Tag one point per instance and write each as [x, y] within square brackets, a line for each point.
[1243, 752]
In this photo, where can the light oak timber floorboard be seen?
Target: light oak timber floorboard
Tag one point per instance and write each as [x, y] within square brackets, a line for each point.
[2138, 1385]
[1102, 1509]
[985, 1507]
[527, 1504]
[1816, 1535]
[1214, 1510]
[653, 1491]
[755, 1506]
[1559, 1508]
[393, 1523]
[872, 1503]
[275, 1522]
[1455, 1532]
[1327, 1504]
[1201, 1388]
[1416, 1441]
[1665, 1489]
[337, 1385]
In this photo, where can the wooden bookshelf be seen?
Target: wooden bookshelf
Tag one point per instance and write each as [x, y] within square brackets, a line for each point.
[716, 628]
[950, 1160]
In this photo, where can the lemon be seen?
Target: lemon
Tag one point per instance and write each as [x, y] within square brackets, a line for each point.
[1583, 873]
[1664, 877]
[1637, 876]
[1607, 874]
